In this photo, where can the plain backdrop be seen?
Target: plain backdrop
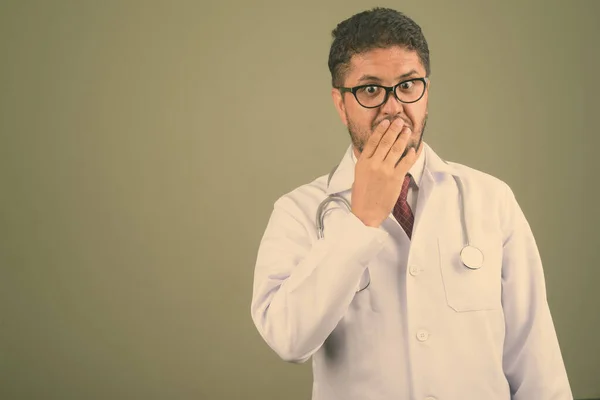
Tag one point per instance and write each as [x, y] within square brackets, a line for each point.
[143, 145]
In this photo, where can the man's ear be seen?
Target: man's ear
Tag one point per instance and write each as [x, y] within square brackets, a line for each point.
[338, 102]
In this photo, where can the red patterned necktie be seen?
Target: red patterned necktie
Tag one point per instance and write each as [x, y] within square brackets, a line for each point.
[402, 210]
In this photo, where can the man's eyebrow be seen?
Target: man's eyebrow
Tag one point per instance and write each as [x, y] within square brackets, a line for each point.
[373, 78]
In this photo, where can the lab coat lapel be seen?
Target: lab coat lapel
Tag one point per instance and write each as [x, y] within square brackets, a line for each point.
[343, 177]
[435, 172]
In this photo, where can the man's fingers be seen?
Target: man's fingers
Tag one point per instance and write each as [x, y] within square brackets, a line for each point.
[388, 139]
[373, 141]
[410, 158]
[398, 147]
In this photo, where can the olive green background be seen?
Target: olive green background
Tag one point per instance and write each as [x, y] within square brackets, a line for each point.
[143, 145]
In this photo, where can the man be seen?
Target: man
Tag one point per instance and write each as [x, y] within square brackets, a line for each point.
[383, 302]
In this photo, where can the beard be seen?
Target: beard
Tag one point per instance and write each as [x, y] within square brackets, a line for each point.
[360, 136]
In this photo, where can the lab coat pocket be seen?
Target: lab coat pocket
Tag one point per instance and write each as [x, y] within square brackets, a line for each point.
[361, 324]
[351, 345]
[467, 289]
[365, 281]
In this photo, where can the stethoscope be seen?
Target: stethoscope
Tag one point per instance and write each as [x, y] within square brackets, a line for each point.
[470, 255]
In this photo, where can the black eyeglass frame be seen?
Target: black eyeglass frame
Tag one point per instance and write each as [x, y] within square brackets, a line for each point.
[388, 90]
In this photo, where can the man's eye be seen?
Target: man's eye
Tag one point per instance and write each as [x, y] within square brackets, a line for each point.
[371, 90]
[406, 85]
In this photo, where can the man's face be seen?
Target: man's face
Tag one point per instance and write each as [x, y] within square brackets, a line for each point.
[385, 67]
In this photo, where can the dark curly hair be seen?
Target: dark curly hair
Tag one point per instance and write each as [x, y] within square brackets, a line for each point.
[375, 28]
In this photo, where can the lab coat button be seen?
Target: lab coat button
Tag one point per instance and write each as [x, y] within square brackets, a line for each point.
[422, 335]
[414, 270]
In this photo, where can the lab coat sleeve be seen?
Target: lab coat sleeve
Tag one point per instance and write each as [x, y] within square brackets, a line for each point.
[301, 290]
[532, 360]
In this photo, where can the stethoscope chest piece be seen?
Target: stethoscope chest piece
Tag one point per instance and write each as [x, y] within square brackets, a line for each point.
[471, 257]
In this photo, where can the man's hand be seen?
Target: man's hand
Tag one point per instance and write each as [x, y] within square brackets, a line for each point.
[380, 171]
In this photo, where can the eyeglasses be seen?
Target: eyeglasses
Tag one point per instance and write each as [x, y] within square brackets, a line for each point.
[372, 96]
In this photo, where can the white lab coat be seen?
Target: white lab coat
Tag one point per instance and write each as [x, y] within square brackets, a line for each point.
[426, 327]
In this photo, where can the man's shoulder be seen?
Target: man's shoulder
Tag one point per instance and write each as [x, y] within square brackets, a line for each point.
[303, 196]
[480, 179]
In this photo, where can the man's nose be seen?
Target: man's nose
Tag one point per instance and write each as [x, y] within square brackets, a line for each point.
[392, 105]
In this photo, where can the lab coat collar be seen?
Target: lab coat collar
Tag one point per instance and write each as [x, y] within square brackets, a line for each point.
[343, 177]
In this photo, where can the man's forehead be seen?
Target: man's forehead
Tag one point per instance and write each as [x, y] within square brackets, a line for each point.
[384, 63]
